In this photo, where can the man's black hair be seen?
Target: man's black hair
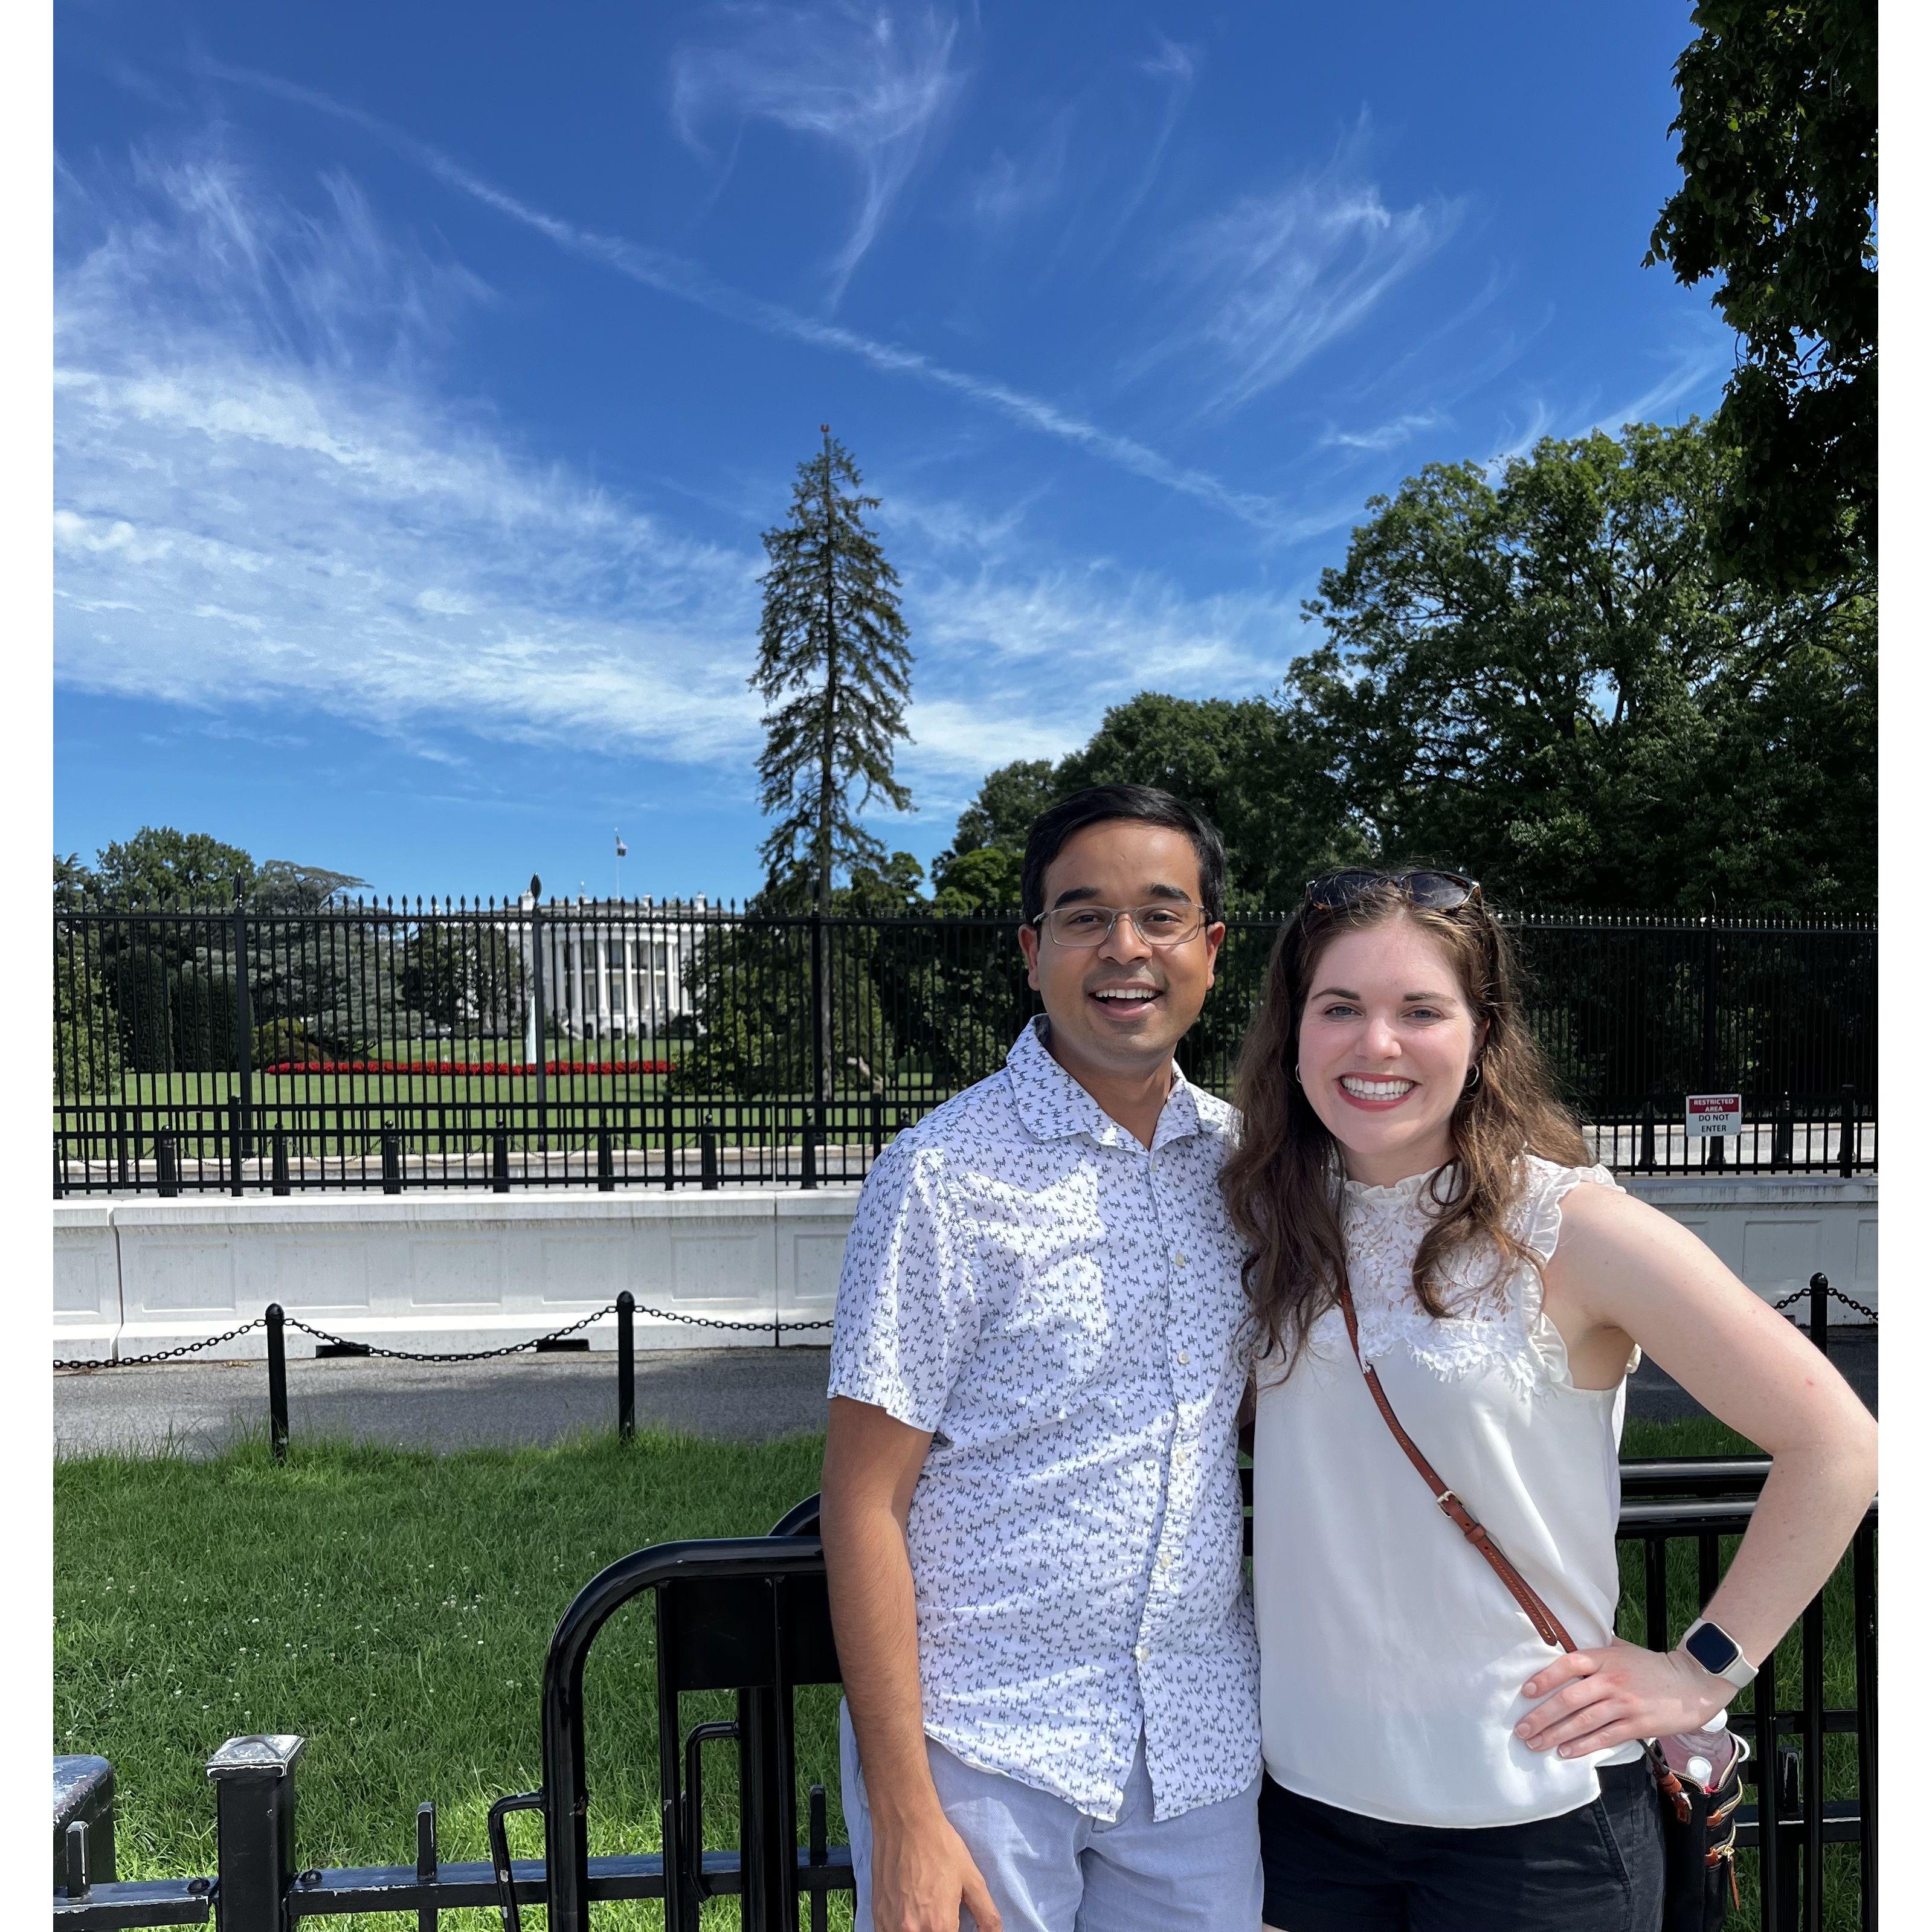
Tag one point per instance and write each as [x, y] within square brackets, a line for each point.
[1099, 805]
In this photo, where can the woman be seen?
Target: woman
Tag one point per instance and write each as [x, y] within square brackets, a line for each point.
[1434, 1765]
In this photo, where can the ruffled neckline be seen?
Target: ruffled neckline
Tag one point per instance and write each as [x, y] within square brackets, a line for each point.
[1409, 1188]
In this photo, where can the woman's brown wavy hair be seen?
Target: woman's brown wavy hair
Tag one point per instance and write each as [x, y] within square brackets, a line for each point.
[1281, 1182]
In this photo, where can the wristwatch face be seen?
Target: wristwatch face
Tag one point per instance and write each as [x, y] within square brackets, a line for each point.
[1711, 1648]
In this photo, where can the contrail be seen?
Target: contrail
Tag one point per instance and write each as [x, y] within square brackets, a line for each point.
[672, 275]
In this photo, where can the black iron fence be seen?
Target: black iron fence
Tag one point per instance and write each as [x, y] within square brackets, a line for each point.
[632, 1042]
[749, 1615]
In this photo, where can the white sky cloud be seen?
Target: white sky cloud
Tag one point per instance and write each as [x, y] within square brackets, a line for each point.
[874, 84]
[1276, 277]
[261, 498]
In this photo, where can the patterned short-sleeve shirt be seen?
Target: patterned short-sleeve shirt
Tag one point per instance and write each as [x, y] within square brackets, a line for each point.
[1062, 1308]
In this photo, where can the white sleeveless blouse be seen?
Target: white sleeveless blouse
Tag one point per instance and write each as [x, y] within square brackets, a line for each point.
[1392, 1659]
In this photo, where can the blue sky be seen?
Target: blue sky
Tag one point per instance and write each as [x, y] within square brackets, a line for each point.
[426, 375]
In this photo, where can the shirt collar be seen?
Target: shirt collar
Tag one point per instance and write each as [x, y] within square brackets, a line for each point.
[1053, 1106]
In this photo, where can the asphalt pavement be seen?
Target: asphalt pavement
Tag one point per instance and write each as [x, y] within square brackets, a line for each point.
[749, 1395]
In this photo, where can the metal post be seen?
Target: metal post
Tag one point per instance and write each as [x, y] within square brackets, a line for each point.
[121, 1146]
[819, 1017]
[627, 1366]
[670, 1129]
[1865, 1653]
[255, 1831]
[1821, 1316]
[607, 1179]
[1848, 1132]
[235, 1148]
[428, 1916]
[392, 1160]
[543, 1051]
[707, 1157]
[807, 1154]
[1782, 1134]
[167, 1167]
[243, 1026]
[1646, 1157]
[60, 1179]
[278, 1162]
[1786, 1895]
[278, 1385]
[499, 1161]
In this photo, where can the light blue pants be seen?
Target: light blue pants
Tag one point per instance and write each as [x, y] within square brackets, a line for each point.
[1051, 1868]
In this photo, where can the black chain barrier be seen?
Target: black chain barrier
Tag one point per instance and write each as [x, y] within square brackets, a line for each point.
[1836, 1295]
[469, 1355]
[166, 1355]
[555, 1335]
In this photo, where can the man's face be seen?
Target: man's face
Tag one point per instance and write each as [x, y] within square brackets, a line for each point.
[1120, 1007]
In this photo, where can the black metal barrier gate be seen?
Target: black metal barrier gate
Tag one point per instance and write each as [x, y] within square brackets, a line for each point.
[750, 1615]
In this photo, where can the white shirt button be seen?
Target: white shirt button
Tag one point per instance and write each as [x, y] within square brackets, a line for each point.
[1164, 1561]
[1179, 1259]
[1140, 1653]
[1182, 1358]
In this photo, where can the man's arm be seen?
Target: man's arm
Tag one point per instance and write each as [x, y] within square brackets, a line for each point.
[922, 1872]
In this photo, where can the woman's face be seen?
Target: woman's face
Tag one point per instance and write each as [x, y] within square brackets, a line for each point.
[1387, 1041]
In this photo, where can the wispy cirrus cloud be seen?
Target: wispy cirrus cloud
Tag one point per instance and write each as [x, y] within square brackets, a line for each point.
[1274, 279]
[685, 280]
[874, 84]
[259, 498]
[262, 501]
[1386, 436]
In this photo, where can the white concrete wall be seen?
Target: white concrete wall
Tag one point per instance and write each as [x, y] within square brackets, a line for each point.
[462, 1270]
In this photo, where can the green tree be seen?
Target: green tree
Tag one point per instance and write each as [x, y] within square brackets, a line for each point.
[1778, 116]
[834, 667]
[87, 1034]
[1547, 681]
[159, 866]
[1265, 789]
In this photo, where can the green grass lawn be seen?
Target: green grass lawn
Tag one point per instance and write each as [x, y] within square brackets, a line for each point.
[394, 1609]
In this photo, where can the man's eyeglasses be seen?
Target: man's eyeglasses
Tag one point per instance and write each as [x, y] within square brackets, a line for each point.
[1434, 892]
[1084, 927]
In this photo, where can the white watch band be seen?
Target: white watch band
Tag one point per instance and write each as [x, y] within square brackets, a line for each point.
[1738, 1671]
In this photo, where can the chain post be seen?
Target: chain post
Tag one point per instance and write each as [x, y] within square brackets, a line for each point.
[1821, 1317]
[167, 1167]
[235, 1116]
[707, 1157]
[278, 1384]
[278, 1162]
[392, 1160]
[1848, 1132]
[607, 1179]
[499, 1161]
[255, 1831]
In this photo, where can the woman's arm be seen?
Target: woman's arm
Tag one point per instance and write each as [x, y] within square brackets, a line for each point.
[1622, 1268]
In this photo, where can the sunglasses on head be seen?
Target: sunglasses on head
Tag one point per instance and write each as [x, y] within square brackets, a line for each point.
[1433, 891]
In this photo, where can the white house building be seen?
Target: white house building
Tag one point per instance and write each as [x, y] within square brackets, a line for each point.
[612, 969]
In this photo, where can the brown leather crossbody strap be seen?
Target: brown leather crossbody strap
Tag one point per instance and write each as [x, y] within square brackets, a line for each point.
[1451, 1504]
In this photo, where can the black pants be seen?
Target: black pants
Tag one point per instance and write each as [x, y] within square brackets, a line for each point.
[1597, 1869]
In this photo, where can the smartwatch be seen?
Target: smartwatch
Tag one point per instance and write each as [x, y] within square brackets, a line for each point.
[1718, 1653]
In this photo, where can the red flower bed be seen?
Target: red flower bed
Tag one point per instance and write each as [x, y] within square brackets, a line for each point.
[467, 1066]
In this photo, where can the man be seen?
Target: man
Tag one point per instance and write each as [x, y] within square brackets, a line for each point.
[1032, 1513]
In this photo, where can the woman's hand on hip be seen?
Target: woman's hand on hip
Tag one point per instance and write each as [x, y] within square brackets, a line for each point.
[1593, 1700]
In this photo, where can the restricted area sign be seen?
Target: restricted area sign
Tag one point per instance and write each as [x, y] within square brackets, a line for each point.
[1707, 1114]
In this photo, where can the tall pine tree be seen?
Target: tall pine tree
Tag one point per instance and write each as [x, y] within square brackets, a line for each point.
[834, 670]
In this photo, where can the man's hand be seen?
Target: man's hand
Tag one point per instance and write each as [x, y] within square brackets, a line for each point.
[923, 1875]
